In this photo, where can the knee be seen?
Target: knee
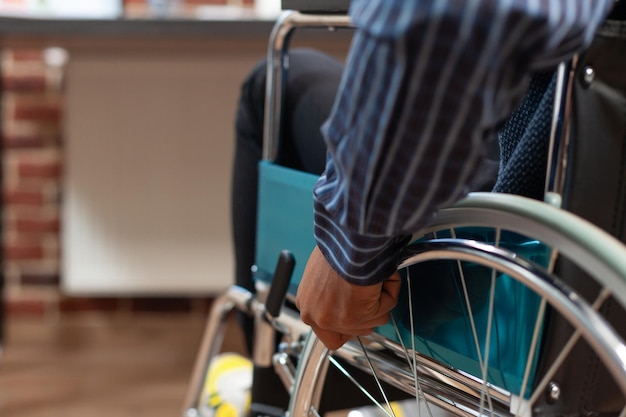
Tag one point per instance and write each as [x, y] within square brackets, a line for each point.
[249, 114]
[253, 87]
[306, 68]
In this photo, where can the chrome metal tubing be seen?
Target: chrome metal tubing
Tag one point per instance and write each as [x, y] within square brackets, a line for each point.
[237, 298]
[598, 254]
[594, 328]
[234, 298]
[435, 380]
[285, 370]
[443, 374]
[264, 334]
[440, 383]
[310, 374]
[560, 130]
[288, 324]
[278, 65]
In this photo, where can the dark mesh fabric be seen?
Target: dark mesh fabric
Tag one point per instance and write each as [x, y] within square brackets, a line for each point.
[524, 141]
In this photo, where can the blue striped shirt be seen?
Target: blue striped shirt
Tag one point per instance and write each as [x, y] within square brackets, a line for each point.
[426, 85]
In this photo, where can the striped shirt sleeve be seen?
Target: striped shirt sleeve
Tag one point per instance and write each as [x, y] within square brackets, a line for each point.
[426, 85]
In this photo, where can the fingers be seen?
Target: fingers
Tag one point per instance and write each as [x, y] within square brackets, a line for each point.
[337, 309]
[335, 336]
[361, 328]
[356, 324]
[332, 340]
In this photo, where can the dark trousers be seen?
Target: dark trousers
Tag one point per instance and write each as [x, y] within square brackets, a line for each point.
[312, 82]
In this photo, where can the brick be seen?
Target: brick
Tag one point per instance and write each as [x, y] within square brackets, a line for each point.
[39, 169]
[23, 197]
[23, 251]
[162, 304]
[21, 141]
[40, 279]
[51, 246]
[26, 55]
[24, 83]
[30, 308]
[84, 304]
[42, 112]
[37, 225]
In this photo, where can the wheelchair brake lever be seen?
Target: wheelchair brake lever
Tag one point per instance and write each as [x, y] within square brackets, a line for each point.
[280, 283]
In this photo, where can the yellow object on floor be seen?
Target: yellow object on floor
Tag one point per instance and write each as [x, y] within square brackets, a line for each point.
[227, 385]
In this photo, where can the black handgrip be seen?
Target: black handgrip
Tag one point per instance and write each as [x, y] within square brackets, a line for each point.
[280, 283]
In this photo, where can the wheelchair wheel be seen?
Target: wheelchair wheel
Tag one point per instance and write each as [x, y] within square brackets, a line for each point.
[485, 297]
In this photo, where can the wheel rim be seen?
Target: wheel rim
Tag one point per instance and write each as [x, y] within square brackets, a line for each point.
[489, 400]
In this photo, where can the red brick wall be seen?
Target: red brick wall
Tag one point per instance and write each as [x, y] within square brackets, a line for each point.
[32, 135]
[31, 132]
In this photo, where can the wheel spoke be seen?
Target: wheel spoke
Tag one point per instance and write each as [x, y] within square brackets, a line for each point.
[470, 314]
[380, 387]
[469, 307]
[567, 348]
[412, 326]
[347, 374]
[474, 377]
[492, 295]
[485, 364]
[313, 412]
[412, 365]
[531, 353]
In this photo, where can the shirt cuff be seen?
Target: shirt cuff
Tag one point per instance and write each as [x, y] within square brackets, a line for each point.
[359, 259]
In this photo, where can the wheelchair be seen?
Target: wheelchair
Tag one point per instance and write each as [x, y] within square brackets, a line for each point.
[509, 305]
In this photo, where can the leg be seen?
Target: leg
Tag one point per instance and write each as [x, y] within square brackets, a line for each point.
[311, 85]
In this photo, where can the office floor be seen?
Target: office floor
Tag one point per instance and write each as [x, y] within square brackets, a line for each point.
[100, 365]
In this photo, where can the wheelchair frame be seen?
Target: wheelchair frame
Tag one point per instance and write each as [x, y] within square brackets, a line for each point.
[271, 318]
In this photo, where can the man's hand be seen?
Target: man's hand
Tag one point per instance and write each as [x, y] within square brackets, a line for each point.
[338, 310]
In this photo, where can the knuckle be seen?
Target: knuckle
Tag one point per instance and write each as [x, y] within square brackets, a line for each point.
[306, 318]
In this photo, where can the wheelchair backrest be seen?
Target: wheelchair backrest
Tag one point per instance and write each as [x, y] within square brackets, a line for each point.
[285, 219]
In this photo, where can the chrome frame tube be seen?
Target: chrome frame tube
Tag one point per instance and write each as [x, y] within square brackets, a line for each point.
[595, 329]
[237, 298]
[234, 298]
[445, 387]
[285, 370]
[560, 130]
[438, 381]
[278, 65]
[595, 251]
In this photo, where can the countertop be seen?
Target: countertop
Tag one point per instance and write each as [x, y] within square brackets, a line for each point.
[203, 23]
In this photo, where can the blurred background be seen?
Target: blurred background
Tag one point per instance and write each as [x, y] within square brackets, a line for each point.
[117, 132]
